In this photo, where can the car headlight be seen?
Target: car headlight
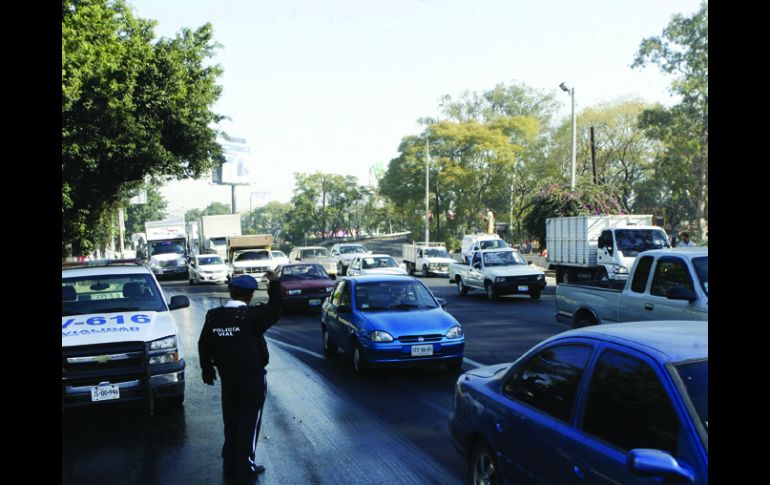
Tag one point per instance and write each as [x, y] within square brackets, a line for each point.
[621, 270]
[454, 332]
[500, 279]
[380, 336]
[168, 343]
[294, 292]
[164, 343]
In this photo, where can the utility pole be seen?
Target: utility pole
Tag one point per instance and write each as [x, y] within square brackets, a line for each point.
[427, 200]
[593, 154]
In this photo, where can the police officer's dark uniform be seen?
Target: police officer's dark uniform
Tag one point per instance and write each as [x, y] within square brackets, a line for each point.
[233, 342]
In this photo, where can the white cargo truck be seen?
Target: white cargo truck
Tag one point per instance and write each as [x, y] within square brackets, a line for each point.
[430, 258]
[167, 248]
[599, 247]
[214, 231]
[251, 255]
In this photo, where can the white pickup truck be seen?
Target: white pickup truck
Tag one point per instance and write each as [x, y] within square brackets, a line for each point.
[497, 272]
[430, 257]
[664, 284]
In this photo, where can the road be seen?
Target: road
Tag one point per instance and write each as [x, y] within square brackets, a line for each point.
[322, 424]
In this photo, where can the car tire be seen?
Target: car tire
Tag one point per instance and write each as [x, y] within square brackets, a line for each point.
[330, 348]
[584, 321]
[483, 468]
[490, 291]
[425, 270]
[534, 295]
[192, 281]
[462, 290]
[410, 269]
[359, 360]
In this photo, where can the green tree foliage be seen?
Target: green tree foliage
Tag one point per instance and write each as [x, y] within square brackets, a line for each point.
[131, 109]
[624, 154]
[153, 210]
[558, 201]
[325, 203]
[468, 162]
[681, 182]
[272, 219]
[213, 209]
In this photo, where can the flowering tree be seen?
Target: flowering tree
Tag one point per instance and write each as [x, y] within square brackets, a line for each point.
[555, 200]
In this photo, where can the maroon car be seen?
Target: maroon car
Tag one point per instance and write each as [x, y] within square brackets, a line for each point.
[304, 285]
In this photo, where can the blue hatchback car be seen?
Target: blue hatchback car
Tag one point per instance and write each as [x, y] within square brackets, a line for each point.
[619, 403]
[385, 320]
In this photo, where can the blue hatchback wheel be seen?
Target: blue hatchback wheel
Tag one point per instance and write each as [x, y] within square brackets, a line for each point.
[483, 469]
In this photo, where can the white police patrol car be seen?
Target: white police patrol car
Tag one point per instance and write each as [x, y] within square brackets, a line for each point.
[119, 339]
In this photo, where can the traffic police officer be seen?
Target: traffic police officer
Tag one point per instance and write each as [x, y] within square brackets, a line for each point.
[233, 342]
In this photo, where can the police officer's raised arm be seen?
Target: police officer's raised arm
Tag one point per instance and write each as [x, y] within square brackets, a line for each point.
[270, 312]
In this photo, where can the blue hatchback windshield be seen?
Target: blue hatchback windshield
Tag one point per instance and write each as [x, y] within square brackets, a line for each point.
[393, 295]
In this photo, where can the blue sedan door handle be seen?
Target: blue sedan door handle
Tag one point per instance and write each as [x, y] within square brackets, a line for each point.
[578, 471]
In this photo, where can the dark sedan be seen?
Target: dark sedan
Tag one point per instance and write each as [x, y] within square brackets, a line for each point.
[304, 285]
[618, 403]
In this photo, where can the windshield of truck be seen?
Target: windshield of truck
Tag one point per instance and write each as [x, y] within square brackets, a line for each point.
[493, 244]
[218, 241]
[296, 272]
[315, 253]
[210, 260]
[253, 256]
[393, 295]
[695, 376]
[633, 241]
[108, 294]
[503, 258]
[352, 249]
[436, 253]
[383, 262]
[701, 266]
[166, 247]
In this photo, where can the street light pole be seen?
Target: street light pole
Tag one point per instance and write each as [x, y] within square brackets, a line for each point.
[427, 200]
[572, 166]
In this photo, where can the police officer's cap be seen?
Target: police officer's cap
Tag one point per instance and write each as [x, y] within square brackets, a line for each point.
[243, 282]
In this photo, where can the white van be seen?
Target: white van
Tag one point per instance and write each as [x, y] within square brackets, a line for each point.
[476, 242]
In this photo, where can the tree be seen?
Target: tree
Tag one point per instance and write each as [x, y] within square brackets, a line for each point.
[152, 210]
[322, 204]
[556, 200]
[624, 154]
[272, 219]
[131, 109]
[682, 50]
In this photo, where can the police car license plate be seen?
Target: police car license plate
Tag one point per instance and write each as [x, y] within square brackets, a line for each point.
[105, 393]
[422, 350]
[314, 302]
[523, 288]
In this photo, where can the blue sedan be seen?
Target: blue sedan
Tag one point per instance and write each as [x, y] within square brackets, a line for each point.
[619, 403]
[384, 320]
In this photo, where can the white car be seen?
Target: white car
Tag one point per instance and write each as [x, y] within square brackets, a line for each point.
[374, 264]
[344, 253]
[314, 254]
[478, 242]
[253, 262]
[119, 340]
[205, 268]
[279, 257]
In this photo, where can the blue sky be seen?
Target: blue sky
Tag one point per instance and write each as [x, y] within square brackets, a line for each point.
[334, 85]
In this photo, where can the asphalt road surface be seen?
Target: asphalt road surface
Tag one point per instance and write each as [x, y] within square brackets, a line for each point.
[322, 424]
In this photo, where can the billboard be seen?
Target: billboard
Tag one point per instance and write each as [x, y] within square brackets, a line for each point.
[238, 168]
